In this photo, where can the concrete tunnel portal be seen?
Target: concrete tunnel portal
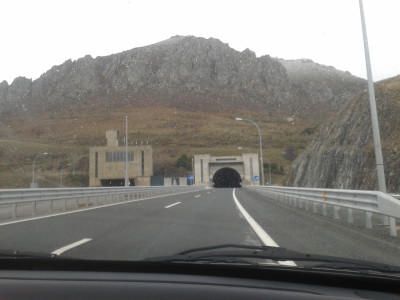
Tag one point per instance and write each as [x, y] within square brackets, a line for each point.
[226, 178]
[226, 171]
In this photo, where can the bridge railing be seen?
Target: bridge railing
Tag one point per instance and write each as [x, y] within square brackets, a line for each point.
[16, 203]
[367, 201]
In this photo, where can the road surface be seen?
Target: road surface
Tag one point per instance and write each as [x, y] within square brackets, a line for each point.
[170, 224]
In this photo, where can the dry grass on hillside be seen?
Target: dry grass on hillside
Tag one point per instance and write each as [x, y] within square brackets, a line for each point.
[171, 132]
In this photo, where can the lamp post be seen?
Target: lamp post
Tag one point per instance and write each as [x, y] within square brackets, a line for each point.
[374, 115]
[62, 169]
[126, 152]
[374, 120]
[261, 154]
[33, 185]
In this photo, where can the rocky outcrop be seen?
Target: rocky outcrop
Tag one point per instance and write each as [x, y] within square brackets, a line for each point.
[342, 153]
[184, 71]
[323, 84]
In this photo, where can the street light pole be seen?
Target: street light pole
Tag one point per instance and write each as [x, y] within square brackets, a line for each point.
[126, 152]
[375, 125]
[372, 102]
[261, 152]
[33, 168]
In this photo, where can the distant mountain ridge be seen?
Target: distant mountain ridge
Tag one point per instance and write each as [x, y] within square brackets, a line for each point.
[187, 72]
[323, 83]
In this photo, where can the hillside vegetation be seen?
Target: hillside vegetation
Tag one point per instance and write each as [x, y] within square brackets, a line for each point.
[171, 132]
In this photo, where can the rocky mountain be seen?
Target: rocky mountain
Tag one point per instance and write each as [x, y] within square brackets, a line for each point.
[342, 153]
[322, 84]
[187, 72]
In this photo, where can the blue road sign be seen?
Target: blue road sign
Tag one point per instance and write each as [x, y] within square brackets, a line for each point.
[255, 178]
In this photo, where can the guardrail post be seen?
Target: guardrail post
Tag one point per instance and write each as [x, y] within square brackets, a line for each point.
[336, 210]
[87, 201]
[393, 227]
[76, 203]
[324, 210]
[96, 201]
[14, 210]
[51, 207]
[300, 204]
[350, 216]
[368, 221]
[315, 208]
[34, 208]
[306, 205]
[65, 204]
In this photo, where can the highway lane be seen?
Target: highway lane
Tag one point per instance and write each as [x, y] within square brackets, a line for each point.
[305, 231]
[137, 230]
[166, 225]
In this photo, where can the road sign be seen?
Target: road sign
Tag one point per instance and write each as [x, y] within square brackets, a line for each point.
[255, 178]
[190, 177]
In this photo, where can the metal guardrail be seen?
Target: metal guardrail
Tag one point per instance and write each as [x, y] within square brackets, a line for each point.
[15, 198]
[368, 201]
[397, 196]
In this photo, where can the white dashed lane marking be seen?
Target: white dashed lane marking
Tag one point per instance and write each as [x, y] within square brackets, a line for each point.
[168, 206]
[70, 246]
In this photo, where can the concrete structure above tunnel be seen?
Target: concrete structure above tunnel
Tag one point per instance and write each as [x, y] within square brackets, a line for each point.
[206, 166]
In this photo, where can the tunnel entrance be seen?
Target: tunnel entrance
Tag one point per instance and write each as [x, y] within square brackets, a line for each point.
[116, 182]
[227, 178]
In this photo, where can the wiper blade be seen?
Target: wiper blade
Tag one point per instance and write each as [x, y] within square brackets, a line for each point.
[7, 254]
[361, 268]
[217, 247]
[214, 253]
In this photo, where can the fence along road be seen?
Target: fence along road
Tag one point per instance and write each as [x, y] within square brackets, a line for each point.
[369, 202]
[23, 203]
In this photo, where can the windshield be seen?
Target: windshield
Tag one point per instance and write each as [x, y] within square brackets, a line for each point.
[131, 130]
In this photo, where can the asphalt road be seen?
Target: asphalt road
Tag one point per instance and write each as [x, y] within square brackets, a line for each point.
[167, 225]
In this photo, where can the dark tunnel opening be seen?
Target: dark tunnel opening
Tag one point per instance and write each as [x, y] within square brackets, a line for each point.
[227, 178]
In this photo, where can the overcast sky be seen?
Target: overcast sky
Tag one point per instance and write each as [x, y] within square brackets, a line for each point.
[37, 34]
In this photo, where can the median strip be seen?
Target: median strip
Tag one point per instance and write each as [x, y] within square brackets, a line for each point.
[70, 246]
[168, 206]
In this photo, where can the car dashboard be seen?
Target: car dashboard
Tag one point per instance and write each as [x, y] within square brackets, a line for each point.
[54, 279]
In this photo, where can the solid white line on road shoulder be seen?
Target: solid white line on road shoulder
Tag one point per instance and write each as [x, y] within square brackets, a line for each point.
[197, 196]
[168, 206]
[265, 238]
[70, 246]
